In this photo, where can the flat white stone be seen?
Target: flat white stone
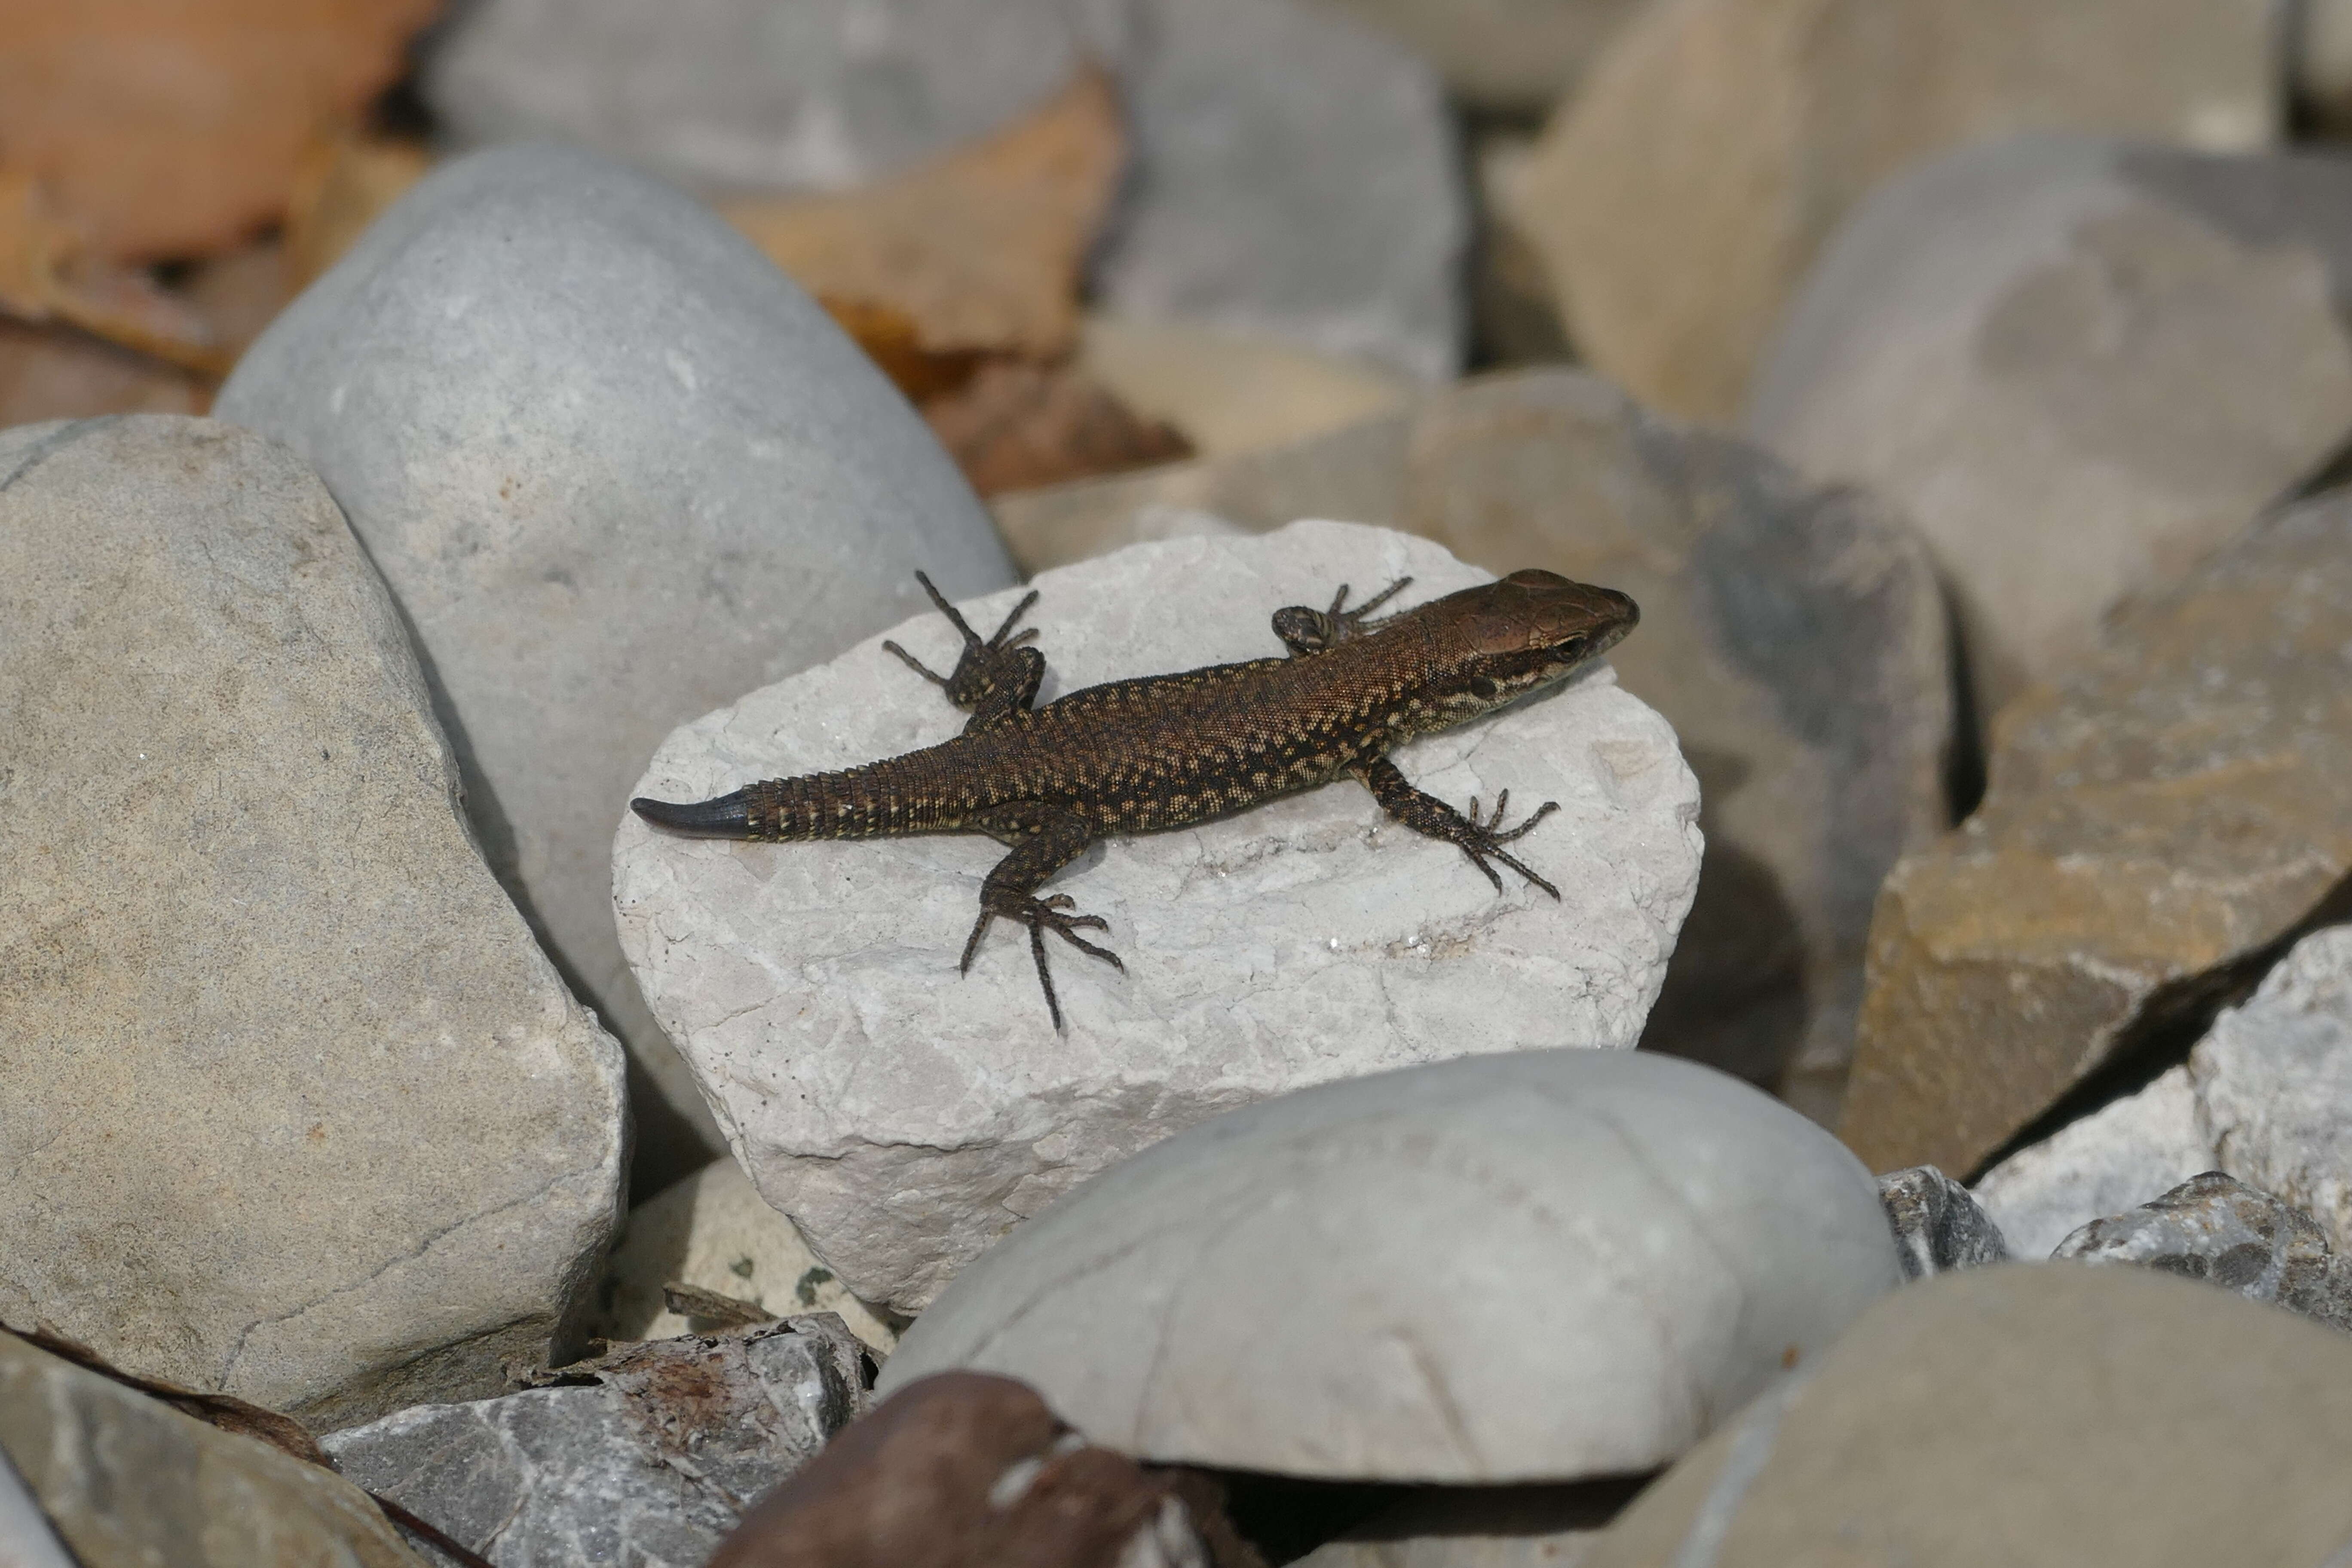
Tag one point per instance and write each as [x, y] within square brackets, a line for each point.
[905, 1118]
[1629, 1247]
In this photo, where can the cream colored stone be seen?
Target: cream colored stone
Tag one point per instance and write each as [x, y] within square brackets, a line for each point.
[1230, 394]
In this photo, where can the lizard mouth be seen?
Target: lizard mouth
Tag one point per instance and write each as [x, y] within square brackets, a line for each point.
[728, 816]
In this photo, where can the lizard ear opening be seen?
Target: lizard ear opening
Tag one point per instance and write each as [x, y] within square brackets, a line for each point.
[1484, 690]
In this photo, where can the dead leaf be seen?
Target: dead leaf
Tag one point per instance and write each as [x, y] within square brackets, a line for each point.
[48, 274]
[62, 372]
[980, 252]
[706, 1311]
[171, 128]
[341, 185]
[1017, 426]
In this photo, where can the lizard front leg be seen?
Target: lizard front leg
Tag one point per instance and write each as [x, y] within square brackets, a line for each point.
[1044, 841]
[1433, 819]
[1304, 631]
[993, 679]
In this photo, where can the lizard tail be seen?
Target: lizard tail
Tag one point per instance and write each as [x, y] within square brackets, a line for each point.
[728, 816]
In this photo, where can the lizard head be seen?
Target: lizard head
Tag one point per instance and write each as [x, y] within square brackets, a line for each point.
[1502, 640]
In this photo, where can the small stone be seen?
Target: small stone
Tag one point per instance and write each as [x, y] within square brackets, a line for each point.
[126, 1481]
[2117, 1157]
[961, 1468]
[1938, 1226]
[905, 1118]
[2157, 820]
[1793, 637]
[1540, 1266]
[724, 492]
[2216, 1228]
[2043, 1416]
[1682, 192]
[295, 1109]
[2076, 365]
[646, 1455]
[713, 1232]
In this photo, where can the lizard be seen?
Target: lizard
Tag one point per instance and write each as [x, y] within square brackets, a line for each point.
[1165, 751]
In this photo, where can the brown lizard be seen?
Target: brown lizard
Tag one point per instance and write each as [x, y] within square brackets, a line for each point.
[1164, 752]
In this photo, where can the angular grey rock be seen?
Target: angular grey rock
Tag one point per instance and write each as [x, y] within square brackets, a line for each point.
[126, 1481]
[1293, 171]
[2273, 1082]
[618, 470]
[295, 1108]
[646, 1457]
[905, 1118]
[1794, 637]
[1938, 1226]
[2078, 365]
[2216, 1228]
[1538, 1266]
[2117, 1157]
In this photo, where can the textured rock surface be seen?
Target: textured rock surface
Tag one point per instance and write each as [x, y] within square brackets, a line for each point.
[2076, 365]
[1620, 1248]
[2267, 1096]
[2117, 1157]
[2044, 1417]
[905, 1118]
[295, 1109]
[725, 491]
[2216, 1228]
[1681, 194]
[1793, 638]
[648, 1455]
[714, 1232]
[128, 1482]
[1938, 1226]
[2155, 822]
[1293, 170]
[967, 1469]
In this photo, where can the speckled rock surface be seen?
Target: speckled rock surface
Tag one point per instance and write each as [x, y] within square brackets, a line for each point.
[647, 1459]
[126, 1481]
[2076, 365]
[905, 1117]
[2216, 1228]
[1937, 1225]
[2041, 1415]
[723, 490]
[295, 1108]
[1538, 1266]
[2155, 823]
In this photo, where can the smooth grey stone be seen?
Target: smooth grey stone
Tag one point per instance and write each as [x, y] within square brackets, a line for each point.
[1535, 1265]
[291, 1106]
[617, 470]
[2216, 1228]
[647, 1457]
[1938, 1226]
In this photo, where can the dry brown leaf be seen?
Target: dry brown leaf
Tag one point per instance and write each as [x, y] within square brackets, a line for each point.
[979, 251]
[46, 274]
[1018, 425]
[172, 128]
[344, 182]
[61, 372]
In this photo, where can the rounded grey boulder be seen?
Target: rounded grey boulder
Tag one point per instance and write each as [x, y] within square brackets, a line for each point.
[1538, 1266]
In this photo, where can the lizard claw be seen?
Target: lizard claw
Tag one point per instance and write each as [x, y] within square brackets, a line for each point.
[1482, 840]
[1041, 915]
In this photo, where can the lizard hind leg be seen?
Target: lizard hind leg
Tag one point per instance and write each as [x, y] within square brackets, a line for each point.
[1042, 843]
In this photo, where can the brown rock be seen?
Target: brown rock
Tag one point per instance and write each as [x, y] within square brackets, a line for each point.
[957, 1470]
[1018, 425]
[1680, 195]
[2156, 823]
[2038, 1415]
[173, 127]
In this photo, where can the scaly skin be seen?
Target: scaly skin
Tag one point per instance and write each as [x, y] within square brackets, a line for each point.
[1169, 751]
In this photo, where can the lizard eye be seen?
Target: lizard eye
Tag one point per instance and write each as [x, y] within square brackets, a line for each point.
[1572, 647]
[1484, 690]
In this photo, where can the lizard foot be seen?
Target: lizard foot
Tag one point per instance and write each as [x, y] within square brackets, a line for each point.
[1303, 630]
[1484, 840]
[1041, 915]
[966, 683]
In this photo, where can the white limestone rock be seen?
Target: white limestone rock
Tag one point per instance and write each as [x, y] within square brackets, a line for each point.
[1631, 1248]
[617, 468]
[2116, 1158]
[905, 1118]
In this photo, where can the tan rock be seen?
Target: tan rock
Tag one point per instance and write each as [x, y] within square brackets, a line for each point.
[1232, 393]
[1793, 638]
[129, 1482]
[2155, 822]
[1682, 192]
[2036, 1416]
[295, 1109]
